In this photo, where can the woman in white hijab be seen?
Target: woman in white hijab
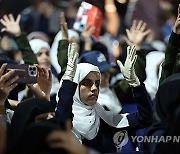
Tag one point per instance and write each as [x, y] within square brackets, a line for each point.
[42, 51]
[92, 124]
[73, 35]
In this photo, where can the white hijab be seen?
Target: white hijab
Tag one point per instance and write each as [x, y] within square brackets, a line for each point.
[86, 119]
[54, 47]
[38, 44]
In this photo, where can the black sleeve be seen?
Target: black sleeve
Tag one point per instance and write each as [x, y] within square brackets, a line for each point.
[154, 132]
[171, 135]
[64, 106]
[143, 117]
[174, 39]
[172, 50]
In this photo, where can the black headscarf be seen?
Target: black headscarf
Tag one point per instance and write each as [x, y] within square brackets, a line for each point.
[168, 99]
[24, 115]
[168, 113]
[34, 140]
[167, 117]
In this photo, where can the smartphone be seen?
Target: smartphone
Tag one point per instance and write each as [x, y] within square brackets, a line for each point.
[27, 73]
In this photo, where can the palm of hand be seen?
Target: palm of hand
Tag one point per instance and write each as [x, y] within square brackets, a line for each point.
[13, 28]
[127, 70]
[136, 36]
[85, 34]
[129, 73]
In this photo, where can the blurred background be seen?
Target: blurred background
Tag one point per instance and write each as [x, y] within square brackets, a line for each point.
[158, 14]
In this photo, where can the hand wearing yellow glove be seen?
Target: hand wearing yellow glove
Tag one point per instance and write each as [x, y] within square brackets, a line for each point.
[128, 70]
[72, 62]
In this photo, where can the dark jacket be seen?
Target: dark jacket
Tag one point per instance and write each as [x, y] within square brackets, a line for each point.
[170, 56]
[103, 142]
[26, 136]
[166, 121]
[23, 44]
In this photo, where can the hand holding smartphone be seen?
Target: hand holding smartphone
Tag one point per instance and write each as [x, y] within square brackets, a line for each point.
[27, 73]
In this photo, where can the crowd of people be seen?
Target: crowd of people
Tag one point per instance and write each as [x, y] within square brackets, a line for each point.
[91, 95]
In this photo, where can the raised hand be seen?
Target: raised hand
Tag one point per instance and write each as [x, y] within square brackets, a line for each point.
[11, 25]
[87, 32]
[64, 27]
[7, 83]
[44, 83]
[72, 62]
[137, 33]
[176, 27]
[86, 35]
[128, 70]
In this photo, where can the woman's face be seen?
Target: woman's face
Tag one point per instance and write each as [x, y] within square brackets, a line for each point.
[43, 58]
[89, 88]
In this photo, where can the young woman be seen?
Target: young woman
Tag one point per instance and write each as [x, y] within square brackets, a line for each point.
[92, 124]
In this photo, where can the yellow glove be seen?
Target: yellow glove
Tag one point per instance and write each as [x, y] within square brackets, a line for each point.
[128, 70]
[72, 62]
